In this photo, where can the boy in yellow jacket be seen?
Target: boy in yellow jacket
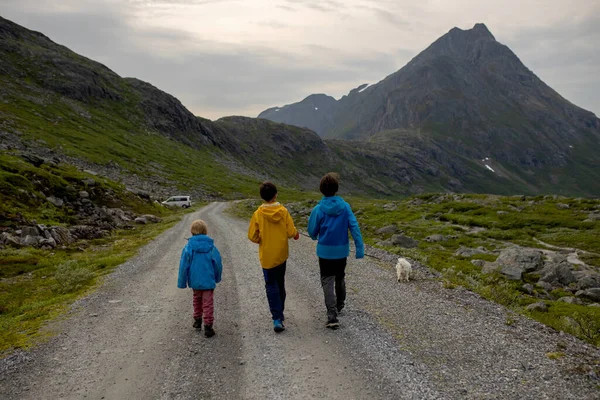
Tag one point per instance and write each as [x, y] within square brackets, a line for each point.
[271, 226]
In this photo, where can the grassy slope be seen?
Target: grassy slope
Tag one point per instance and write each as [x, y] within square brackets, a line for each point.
[110, 132]
[539, 217]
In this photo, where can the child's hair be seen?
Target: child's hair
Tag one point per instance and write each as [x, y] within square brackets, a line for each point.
[267, 191]
[199, 227]
[329, 184]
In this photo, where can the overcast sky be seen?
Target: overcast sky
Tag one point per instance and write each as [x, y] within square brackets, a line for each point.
[239, 57]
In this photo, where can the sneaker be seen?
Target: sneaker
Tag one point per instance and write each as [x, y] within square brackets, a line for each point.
[278, 326]
[197, 323]
[209, 331]
[333, 323]
[340, 308]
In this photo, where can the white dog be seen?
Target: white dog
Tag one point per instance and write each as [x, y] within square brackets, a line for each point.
[403, 269]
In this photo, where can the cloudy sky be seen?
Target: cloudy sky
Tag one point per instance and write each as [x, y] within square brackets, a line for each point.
[238, 57]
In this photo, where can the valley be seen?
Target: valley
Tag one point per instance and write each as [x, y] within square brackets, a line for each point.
[463, 162]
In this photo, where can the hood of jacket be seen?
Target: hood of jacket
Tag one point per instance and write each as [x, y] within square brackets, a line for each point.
[333, 205]
[272, 211]
[201, 243]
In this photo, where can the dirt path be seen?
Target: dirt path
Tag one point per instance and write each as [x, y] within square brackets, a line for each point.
[133, 338]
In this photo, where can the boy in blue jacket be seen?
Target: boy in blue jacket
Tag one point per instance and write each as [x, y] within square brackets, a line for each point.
[200, 269]
[329, 223]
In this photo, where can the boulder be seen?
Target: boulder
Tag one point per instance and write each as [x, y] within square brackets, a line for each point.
[587, 279]
[513, 262]
[436, 238]
[571, 300]
[47, 234]
[151, 218]
[141, 220]
[10, 240]
[61, 235]
[89, 182]
[387, 230]
[86, 232]
[404, 241]
[55, 201]
[478, 263]
[29, 231]
[469, 252]
[558, 274]
[592, 294]
[120, 215]
[527, 260]
[594, 217]
[527, 288]
[513, 272]
[540, 306]
[562, 206]
[48, 243]
[84, 195]
[545, 285]
[31, 241]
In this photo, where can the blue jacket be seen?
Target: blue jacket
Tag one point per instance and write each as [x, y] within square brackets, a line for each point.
[329, 223]
[200, 267]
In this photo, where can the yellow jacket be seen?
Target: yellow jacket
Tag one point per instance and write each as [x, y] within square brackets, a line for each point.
[271, 226]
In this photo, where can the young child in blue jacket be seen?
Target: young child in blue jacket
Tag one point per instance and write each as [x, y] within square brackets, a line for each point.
[200, 269]
[329, 222]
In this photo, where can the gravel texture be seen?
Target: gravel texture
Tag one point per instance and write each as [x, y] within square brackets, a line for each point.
[133, 338]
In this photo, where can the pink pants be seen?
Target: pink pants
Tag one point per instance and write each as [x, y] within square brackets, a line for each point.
[203, 304]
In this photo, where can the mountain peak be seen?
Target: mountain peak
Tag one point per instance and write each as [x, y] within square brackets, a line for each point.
[482, 31]
[479, 31]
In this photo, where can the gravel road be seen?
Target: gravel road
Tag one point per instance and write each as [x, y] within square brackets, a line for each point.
[133, 338]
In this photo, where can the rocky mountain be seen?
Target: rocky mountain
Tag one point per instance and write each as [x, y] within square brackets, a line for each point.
[473, 97]
[314, 112]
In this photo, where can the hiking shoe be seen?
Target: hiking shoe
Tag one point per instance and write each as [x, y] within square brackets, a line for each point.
[209, 331]
[197, 323]
[333, 323]
[340, 308]
[278, 326]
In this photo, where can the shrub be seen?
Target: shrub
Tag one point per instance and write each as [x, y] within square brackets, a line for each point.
[587, 325]
[71, 277]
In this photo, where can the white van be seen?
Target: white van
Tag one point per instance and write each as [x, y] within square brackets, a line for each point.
[178, 201]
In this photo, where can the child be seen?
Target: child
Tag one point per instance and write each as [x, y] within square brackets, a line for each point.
[200, 268]
[271, 226]
[329, 222]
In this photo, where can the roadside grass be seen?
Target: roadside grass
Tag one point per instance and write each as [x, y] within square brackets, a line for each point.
[490, 221]
[37, 286]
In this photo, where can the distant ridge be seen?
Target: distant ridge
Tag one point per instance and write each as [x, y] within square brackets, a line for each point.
[475, 98]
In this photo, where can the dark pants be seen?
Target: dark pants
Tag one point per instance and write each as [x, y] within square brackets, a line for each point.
[275, 286]
[333, 273]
